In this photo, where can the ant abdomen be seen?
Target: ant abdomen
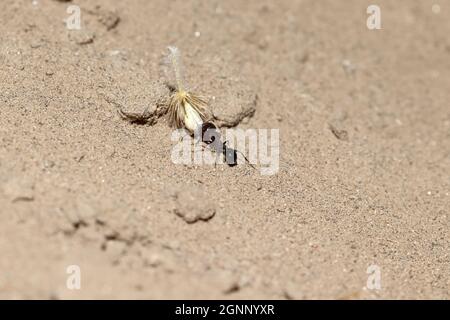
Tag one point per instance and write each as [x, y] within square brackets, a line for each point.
[230, 156]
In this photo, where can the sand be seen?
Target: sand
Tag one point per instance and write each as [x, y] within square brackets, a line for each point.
[364, 164]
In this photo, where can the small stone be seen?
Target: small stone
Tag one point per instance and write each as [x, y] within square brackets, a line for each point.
[341, 134]
[193, 204]
[48, 164]
[153, 260]
[82, 36]
[172, 245]
[36, 44]
[164, 259]
[109, 19]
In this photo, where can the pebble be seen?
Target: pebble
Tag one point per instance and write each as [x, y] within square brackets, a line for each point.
[82, 36]
[192, 204]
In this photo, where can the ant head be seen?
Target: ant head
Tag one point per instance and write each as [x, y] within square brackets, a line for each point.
[209, 133]
[208, 126]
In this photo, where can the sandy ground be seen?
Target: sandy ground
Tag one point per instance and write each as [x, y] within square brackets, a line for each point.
[364, 176]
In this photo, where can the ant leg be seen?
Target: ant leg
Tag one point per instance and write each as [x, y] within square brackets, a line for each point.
[248, 162]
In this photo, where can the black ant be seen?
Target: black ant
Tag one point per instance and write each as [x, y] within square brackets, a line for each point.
[210, 135]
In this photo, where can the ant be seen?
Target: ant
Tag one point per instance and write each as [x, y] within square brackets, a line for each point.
[210, 135]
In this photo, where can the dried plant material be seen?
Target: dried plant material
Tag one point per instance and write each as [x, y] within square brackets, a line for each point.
[230, 97]
[231, 100]
[186, 109]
